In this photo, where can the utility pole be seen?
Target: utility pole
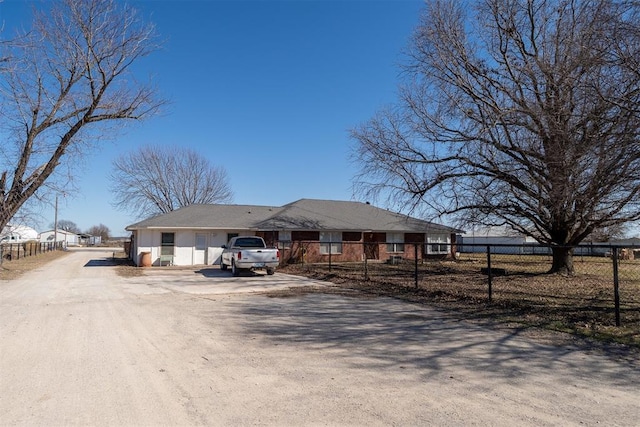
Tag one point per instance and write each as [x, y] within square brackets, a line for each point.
[55, 225]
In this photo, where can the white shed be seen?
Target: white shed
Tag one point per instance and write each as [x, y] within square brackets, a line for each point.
[69, 238]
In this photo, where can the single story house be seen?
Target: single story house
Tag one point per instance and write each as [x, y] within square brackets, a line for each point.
[69, 238]
[17, 234]
[308, 230]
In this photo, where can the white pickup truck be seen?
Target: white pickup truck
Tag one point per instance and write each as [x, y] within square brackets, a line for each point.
[249, 253]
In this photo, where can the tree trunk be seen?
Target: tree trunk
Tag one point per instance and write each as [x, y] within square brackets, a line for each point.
[562, 260]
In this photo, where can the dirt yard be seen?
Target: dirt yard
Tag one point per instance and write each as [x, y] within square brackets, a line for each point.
[84, 346]
[582, 305]
[13, 269]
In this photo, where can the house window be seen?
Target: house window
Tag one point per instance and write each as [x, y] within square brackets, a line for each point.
[284, 239]
[231, 236]
[330, 242]
[168, 242]
[395, 242]
[438, 244]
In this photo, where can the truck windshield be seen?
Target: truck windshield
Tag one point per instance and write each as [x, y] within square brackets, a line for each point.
[250, 243]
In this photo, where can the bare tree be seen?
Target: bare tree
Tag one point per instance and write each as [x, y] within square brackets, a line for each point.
[606, 234]
[100, 230]
[525, 113]
[154, 180]
[66, 225]
[62, 83]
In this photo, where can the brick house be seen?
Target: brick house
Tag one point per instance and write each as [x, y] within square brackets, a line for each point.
[309, 230]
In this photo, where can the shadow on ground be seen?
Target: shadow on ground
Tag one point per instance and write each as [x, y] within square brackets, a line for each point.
[107, 262]
[384, 333]
[216, 272]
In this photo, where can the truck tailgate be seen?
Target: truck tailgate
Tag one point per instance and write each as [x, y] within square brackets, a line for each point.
[259, 255]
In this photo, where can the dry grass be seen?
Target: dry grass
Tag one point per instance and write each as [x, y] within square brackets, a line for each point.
[582, 305]
[125, 267]
[10, 270]
[129, 271]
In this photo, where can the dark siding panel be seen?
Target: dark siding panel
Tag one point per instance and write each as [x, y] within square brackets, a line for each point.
[375, 237]
[414, 238]
[305, 235]
[350, 236]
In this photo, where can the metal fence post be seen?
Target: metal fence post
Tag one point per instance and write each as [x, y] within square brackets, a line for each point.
[366, 268]
[489, 273]
[616, 292]
[415, 256]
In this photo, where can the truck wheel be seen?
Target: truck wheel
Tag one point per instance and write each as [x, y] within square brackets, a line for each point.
[270, 271]
[223, 266]
[234, 270]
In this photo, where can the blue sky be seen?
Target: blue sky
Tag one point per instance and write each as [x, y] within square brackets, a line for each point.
[276, 84]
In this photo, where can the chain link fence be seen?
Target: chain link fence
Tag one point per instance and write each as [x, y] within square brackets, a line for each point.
[603, 289]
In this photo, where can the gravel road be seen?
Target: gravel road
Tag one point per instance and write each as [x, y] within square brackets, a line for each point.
[82, 346]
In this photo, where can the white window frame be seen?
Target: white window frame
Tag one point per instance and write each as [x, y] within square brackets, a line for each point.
[165, 248]
[395, 242]
[330, 239]
[438, 244]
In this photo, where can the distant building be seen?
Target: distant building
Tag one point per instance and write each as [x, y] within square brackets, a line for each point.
[507, 241]
[17, 234]
[89, 240]
[633, 241]
[503, 240]
[69, 238]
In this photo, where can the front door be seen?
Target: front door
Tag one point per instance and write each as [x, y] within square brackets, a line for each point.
[371, 244]
[200, 252]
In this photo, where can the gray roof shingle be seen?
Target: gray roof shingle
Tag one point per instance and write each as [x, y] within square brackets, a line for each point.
[209, 216]
[304, 214]
[309, 214]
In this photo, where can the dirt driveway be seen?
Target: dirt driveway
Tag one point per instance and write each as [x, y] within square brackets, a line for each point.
[82, 346]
